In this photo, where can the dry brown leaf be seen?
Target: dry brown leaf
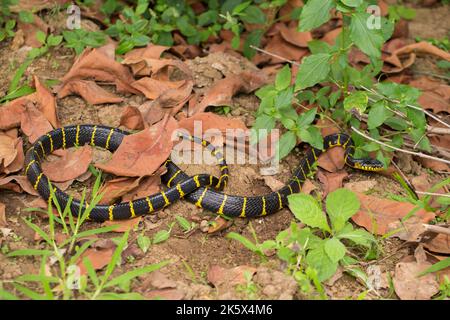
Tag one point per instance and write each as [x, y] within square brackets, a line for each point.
[165, 294]
[30, 30]
[434, 165]
[158, 280]
[99, 64]
[435, 95]
[33, 123]
[35, 5]
[330, 36]
[3, 222]
[409, 230]
[98, 258]
[18, 161]
[423, 47]
[153, 88]
[223, 90]
[277, 45]
[331, 180]
[209, 120]
[141, 154]
[223, 278]
[10, 113]
[70, 166]
[440, 243]
[132, 118]
[147, 186]
[218, 225]
[308, 187]
[361, 186]
[89, 91]
[297, 38]
[25, 185]
[8, 150]
[46, 102]
[376, 214]
[408, 285]
[273, 183]
[123, 225]
[333, 159]
[116, 188]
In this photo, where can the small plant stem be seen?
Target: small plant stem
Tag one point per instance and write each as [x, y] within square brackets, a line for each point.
[434, 194]
[419, 154]
[431, 115]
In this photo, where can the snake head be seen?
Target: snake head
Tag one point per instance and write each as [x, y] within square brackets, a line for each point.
[368, 164]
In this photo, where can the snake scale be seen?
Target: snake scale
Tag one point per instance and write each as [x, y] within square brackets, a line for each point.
[203, 190]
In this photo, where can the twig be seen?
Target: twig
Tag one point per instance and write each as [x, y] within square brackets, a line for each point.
[433, 75]
[436, 229]
[431, 115]
[419, 154]
[434, 194]
[274, 55]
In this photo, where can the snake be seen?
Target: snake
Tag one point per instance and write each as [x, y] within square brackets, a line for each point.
[204, 190]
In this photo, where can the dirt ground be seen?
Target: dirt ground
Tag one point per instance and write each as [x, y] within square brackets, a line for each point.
[199, 250]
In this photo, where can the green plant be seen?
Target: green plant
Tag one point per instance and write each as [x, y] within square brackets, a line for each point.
[444, 290]
[313, 253]
[185, 224]
[444, 43]
[79, 39]
[249, 289]
[59, 279]
[389, 109]
[397, 12]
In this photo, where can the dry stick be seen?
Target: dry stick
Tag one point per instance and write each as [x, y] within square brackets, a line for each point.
[419, 154]
[436, 229]
[434, 194]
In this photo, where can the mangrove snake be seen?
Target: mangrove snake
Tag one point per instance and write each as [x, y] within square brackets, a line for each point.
[203, 190]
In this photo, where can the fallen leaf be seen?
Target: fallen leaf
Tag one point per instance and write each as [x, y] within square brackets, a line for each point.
[30, 30]
[218, 225]
[123, 225]
[116, 188]
[165, 294]
[435, 95]
[423, 47]
[434, 165]
[297, 38]
[223, 90]
[136, 58]
[17, 163]
[223, 278]
[159, 280]
[361, 186]
[46, 102]
[33, 123]
[8, 151]
[3, 222]
[308, 187]
[132, 118]
[376, 214]
[10, 113]
[278, 46]
[153, 88]
[208, 120]
[273, 183]
[5, 183]
[141, 154]
[409, 230]
[147, 186]
[100, 64]
[408, 285]
[330, 36]
[334, 159]
[174, 99]
[98, 258]
[331, 180]
[70, 166]
[89, 91]
[440, 244]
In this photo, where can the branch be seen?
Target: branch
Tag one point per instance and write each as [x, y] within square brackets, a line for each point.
[418, 154]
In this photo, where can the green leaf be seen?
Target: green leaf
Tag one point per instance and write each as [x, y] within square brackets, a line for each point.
[184, 223]
[358, 236]
[341, 205]
[306, 118]
[253, 14]
[437, 266]
[319, 260]
[312, 136]
[287, 142]
[253, 39]
[314, 14]
[334, 249]
[53, 41]
[40, 36]
[314, 69]
[306, 209]
[396, 123]
[378, 114]
[26, 16]
[246, 242]
[208, 17]
[284, 98]
[369, 41]
[161, 236]
[357, 100]
[283, 79]
[317, 46]
[352, 3]
[143, 242]
[128, 276]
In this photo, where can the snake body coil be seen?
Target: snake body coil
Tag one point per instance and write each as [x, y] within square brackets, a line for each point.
[199, 189]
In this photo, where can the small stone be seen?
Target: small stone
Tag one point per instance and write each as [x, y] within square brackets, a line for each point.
[204, 225]
[162, 214]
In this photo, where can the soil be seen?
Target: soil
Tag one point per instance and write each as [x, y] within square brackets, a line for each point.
[193, 255]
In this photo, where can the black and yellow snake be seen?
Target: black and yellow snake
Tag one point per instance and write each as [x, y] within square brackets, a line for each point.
[203, 190]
